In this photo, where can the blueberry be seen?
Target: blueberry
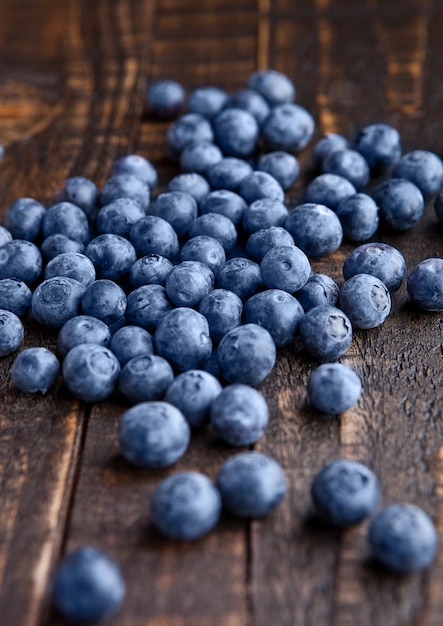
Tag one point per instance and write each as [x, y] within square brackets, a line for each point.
[72, 265]
[193, 393]
[118, 217]
[358, 215]
[276, 311]
[145, 377]
[365, 300]
[59, 244]
[274, 86]
[400, 203]
[345, 492]
[66, 219]
[182, 337]
[11, 332]
[329, 189]
[251, 484]
[189, 127]
[5, 236]
[236, 132]
[319, 289]
[286, 268]
[241, 276]
[260, 242]
[217, 226]
[150, 269]
[129, 342]
[288, 127]
[326, 332]
[206, 250]
[425, 284]
[191, 183]
[147, 306]
[125, 186]
[165, 98]
[112, 256]
[79, 191]
[246, 354]
[199, 156]
[264, 213]
[23, 219]
[177, 208]
[258, 185]
[239, 415]
[56, 300]
[35, 369]
[225, 202]
[207, 101]
[88, 585]
[15, 296]
[350, 164]
[223, 310]
[22, 260]
[403, 538]
[138, 166]
[252, 102]
[377, 259]
[333, 388]
[185, 506]
[423, 168]
[228, 173]
[315, 229]
[82, 329]
[90, 372]
[280, 165]
[188, 283]
[329, 143]
[105, 300]
[154, 235]
[380, 145]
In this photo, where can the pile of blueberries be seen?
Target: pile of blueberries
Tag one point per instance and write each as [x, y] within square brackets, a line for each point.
[166, 300]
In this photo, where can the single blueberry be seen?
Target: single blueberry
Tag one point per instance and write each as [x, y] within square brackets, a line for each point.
[380, 145]
[207, 101]
[129, 342]
[150, 269]
[246, 354]
[22, 260]
[35, 369]
[15, 296]
[400, 203]
[199, 156]
[79, 191]
[144, 378]
[288, 127]
[329, 189]
[282, 166]
[251, 484]
[206, 250]
[379, 260]
[252, 102]
[59, 244]
[403, 538]
[239, 415]
[23, 219]
[90, 372]
[264, 213]
[333, 388]
[11, 332]
[421, 167]
[358, 215]
[188, 283]
[259, 185]
[193, 392]
[236, 132]
[189, 127]
[154, 235]
[56, 300]
[328, 144]
[228, 173]
[5, 236]
[73, 265]
[182, 337]
[366, 301]
[177, 208]
[260, 242]
[165, 98]
[112, 256]
[66, 219]
[326, 332]
[105, 300]
[88, 585]
[349, 164]
[217, 226]
[125, 186]
[318, 289]
[425, 284]
[241, 276]
[147, 306]
[223, 311]
[345, 492]
[274, 86]
[138, 166]
[225, 202]
[316, 230]
[82, 329]
[118, 217]
[276, 311]
[286, 268]
[191, 183]
[185, 506]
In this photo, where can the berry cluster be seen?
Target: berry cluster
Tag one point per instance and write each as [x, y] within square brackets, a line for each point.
[166, 298]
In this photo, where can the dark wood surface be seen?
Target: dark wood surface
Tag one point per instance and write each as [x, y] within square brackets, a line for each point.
[72, 81]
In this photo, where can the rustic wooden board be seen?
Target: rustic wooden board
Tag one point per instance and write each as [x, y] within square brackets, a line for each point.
[73, 76]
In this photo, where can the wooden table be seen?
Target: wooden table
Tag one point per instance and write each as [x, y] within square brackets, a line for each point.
[73, 79]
